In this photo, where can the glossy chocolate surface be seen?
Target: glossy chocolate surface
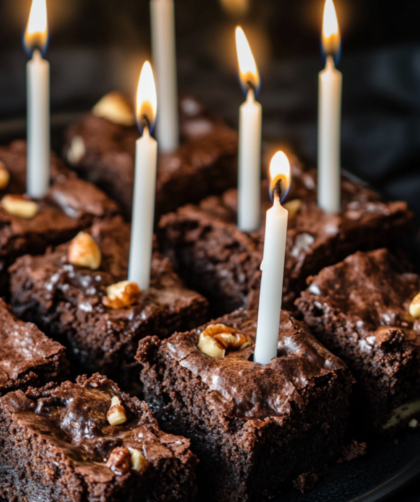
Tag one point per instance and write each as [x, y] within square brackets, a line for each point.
[241, 388]
[73, 418]
[85, 288]
[372, 292]
[314, 239]
[23, 348]
[70, 204]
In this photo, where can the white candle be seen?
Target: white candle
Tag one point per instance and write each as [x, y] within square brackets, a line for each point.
[272, 267]
[249, 178]
[144, 185]
[250, 121]
[143, 211]
[38, 96]
[164, 58]
[329, 126]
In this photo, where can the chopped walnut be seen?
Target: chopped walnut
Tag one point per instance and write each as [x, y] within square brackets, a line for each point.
[138, 460]
[4, 176]
[216, 339]
[76, 151]
[84, 252]
[116, 414]
[119, 461]
[18, 205]
[293, 207]
[121, 295]
[115, 108]
[414, 308]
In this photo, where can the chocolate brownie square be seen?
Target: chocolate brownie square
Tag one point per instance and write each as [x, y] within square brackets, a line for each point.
[68, 302]
[223, 263]
[101, 148]
[254, 428]
[27, 356]
[89, 441]
[70, 205]
[359, 309]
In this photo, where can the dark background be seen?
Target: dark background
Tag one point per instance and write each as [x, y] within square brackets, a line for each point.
[98, 45]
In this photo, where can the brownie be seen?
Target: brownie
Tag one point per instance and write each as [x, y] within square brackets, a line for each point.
[27, 356]
[254, 428]
[359, 309]
[223, 263]
[70, 205]
[66, 301]
[102, 151]
[58, 444]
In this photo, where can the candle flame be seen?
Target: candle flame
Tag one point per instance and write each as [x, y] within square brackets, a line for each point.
[36, 33]
[280, 175]
[248, 70]
[330, 30]
[146, 105]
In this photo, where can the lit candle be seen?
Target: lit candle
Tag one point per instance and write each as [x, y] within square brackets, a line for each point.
[38, 91]
[273, 263]
[144, 183]
[249, 167]
[164, 59]
[329, 127]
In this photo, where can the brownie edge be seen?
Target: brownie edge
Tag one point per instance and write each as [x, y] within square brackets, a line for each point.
[255, 428]
[359, 309]
[60, 444]
[27, 356]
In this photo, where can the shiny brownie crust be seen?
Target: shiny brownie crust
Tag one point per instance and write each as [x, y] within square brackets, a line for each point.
[359, 310]
[70, 205]
[27, 356]
[66, 302]
[223, 263]
[56, 443]
[204, 164]
[255, 428]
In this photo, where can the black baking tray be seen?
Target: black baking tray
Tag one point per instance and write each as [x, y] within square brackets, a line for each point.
[389, 464]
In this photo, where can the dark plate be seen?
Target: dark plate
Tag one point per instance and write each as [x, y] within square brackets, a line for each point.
[388, 465]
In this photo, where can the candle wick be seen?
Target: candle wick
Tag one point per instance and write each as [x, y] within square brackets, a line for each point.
[277, 192]
[145, 122]
[250, 85]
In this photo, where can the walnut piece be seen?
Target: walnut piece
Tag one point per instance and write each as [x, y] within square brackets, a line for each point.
[122, 294]
[18, 205]
[4, 176]
[116, 413]
[119, 461]
[414, 308]
[293, 207]
[138, 460]
[216, 339]
[84, 252]
[115, 108]
[77, 151]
